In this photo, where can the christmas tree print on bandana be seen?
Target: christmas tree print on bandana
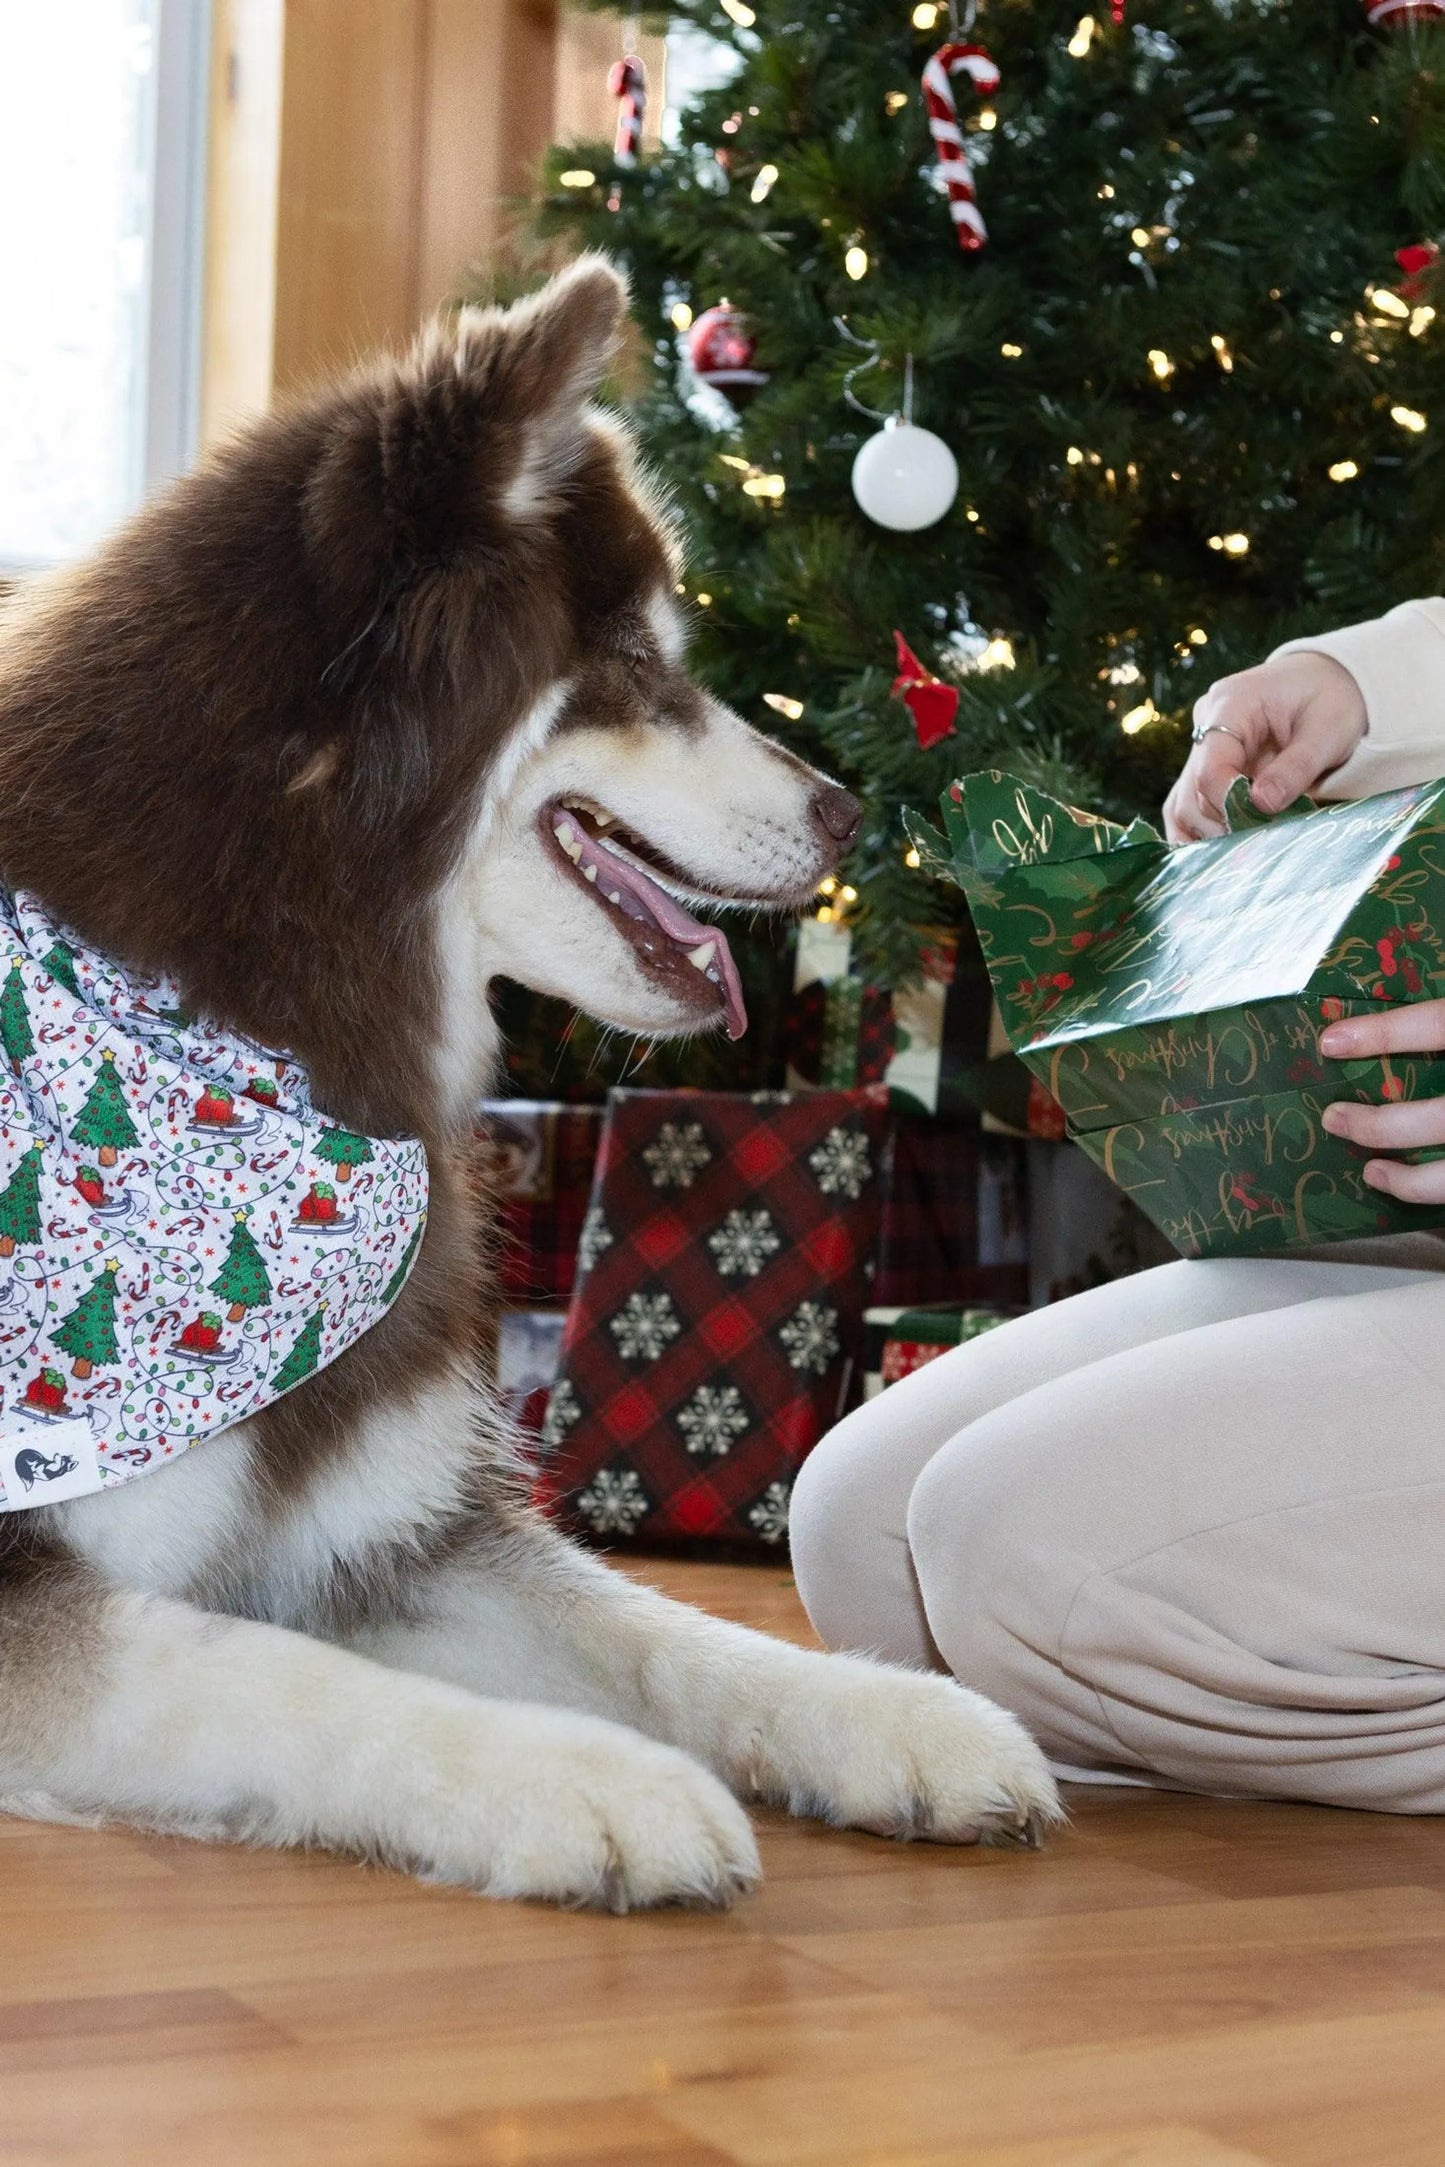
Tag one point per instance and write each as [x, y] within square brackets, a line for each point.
[183, 1237]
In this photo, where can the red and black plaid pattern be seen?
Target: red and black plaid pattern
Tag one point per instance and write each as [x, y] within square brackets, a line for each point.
[718, 1314]
[955, 1218]
[542, 1158]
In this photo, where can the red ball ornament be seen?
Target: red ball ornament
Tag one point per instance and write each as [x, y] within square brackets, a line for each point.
[721, 349]
[1380, 12]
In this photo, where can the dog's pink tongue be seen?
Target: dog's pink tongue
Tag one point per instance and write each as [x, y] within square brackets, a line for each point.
[615, 873]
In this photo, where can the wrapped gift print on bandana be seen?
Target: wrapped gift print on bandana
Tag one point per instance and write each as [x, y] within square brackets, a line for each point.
[1172, 1000]
[183, 1237]
[716, 1327]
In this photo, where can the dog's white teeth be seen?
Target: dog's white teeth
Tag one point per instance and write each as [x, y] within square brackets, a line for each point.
[701, 957]
[589, 872]
[569, 839]
[604, 820]
[613, 896]
[715, 977]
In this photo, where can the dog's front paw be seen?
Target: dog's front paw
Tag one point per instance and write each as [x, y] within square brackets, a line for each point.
[905, 1754]
[573, 1810]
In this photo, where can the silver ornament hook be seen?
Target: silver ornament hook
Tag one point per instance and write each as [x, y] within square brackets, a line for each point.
[874, 357]
[970, 17]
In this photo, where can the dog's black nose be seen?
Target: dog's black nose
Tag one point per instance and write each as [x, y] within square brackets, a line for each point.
[839, 812]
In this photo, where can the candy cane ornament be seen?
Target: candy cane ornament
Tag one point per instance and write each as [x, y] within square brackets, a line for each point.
[950, 60]
[627, 81]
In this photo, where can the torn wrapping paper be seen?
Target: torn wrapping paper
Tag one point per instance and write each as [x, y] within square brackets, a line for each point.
[1172, 1000]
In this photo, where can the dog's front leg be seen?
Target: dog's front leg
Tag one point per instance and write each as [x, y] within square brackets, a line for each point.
[131, 1707]
[858, 1743]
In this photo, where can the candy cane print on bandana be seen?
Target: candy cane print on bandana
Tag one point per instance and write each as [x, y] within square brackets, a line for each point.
[183, 1236]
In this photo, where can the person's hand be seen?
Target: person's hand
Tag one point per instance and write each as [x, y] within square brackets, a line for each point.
[1290, 723]
[1405, 1124]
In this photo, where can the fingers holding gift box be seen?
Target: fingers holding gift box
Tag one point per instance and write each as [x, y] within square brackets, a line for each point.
[1177, 1003]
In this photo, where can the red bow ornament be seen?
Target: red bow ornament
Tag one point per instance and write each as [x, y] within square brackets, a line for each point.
[932, 704]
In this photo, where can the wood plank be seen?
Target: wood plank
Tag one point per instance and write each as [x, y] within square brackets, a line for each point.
[1175, 1982]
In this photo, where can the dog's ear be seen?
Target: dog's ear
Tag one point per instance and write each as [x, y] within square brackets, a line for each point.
[475, 430]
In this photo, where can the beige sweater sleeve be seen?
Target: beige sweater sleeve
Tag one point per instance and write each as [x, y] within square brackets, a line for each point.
[1398, 662]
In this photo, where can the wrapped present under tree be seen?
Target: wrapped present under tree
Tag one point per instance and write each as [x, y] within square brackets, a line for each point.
[1172, 1000]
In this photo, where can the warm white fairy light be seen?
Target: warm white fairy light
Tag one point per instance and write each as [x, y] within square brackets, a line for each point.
[1138, 718]
[987, 119]
[1222, 354]
[855, 261]
[925, 15]
[1386, 303]
[1009, 351]
[1083, 36]
[1337, 338]
[1125, 673]
[766, 176]
[1106, 193]
[1406, 417]
[768, 486]
[849, 895]
[732, 459]
[911, 859]
[704, 601]
[577, 177]
[781, 704]
[1198, 637]
[998, 655]
[1233, 545]
[1141, 236]
[1160, 363]
[680, 316]
[1074, 456]
[741, 14]
[1343, 470]
[828, 886]
[1421, 321]
[894, 101]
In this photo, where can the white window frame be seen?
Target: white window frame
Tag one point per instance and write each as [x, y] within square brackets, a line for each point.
[170, 401]
[176, 255]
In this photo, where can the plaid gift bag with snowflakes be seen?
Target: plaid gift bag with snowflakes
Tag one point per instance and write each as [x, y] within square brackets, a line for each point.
[717, 1319]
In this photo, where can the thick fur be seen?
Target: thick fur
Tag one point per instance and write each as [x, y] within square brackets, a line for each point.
[294, 737]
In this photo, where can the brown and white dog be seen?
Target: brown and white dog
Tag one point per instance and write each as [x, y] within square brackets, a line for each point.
[302, 735]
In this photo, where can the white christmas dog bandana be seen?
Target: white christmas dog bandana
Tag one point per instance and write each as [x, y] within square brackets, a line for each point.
[183, 1237]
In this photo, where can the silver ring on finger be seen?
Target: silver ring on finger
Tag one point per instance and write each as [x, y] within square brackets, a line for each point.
[1197, 736]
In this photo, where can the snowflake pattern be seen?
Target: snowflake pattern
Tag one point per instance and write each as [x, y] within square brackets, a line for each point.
[596, 1236]
[841, 1163]
[743, 1243]
[810, 1337]
[769, 1515]
[678, 1155]
[712, 1419]
[564, 1409]
[614, 1502]
[644, 1326]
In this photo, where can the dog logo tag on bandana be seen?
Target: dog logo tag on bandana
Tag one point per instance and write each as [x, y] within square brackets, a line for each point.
[183, 1237]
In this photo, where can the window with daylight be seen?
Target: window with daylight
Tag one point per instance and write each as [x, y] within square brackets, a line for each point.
[102, 118]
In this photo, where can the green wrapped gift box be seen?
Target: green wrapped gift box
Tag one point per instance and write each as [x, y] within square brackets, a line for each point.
[1172, 1000]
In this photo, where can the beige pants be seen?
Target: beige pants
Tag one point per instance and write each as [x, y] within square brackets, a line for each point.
[1190, 1526]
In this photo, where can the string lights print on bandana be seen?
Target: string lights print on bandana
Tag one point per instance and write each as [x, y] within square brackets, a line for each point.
[183, 1237]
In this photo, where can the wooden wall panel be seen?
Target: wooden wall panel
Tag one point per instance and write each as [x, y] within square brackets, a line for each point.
[351, 176]
[243, 170]
[366, 155]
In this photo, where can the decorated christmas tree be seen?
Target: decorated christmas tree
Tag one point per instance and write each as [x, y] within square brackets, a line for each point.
[302, 1359]
[15, 1034]
[103, 1124]
[1187, 362]
[60, 963]
[243, 1280]
[88, 1333]
[20, 1203]
[343, 1149]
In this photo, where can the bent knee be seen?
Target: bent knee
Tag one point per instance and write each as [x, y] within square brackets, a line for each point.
[849, 1546]
[998, 1578]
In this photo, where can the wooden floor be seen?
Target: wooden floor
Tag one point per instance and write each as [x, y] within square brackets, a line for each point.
[1174, 1983]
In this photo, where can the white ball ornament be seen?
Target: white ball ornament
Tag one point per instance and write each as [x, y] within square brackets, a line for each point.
[905, 477]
